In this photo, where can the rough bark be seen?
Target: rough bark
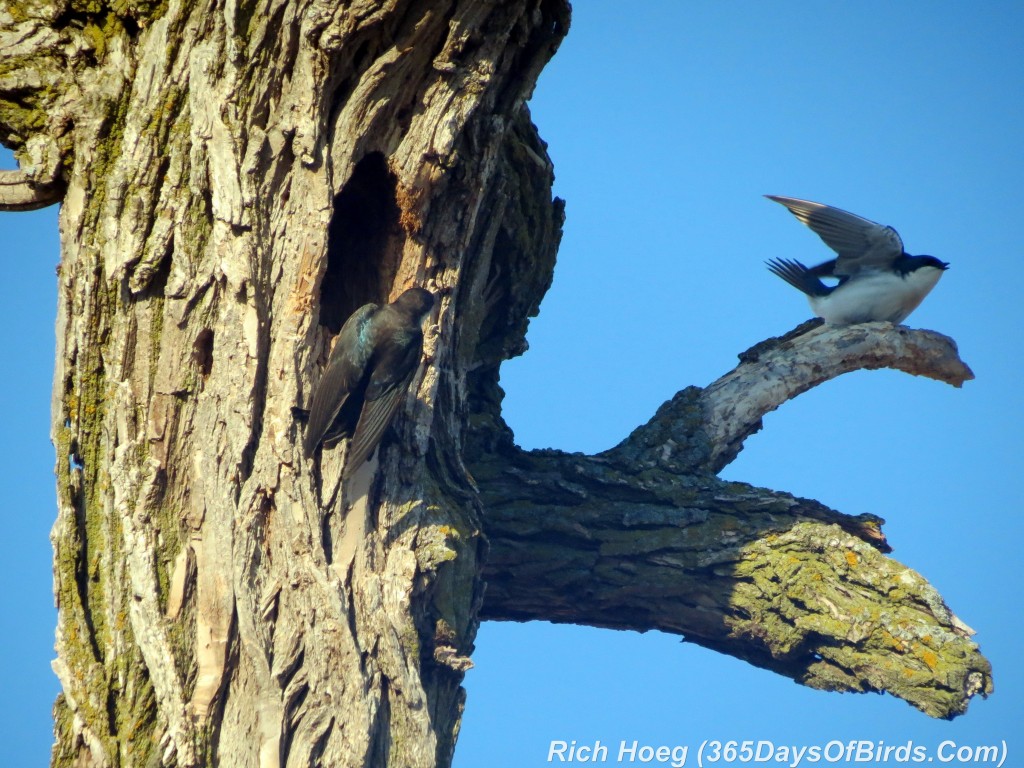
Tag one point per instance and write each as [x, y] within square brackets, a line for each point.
[236, 179]
[239, 177]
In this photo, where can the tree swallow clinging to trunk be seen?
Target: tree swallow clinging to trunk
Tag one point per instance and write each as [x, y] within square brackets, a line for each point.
[878, 280]
[369, 371]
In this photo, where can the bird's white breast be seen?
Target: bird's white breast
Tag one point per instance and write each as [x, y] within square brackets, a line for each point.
[876, 296]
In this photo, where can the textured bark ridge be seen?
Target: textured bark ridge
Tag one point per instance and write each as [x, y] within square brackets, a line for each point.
[236, 179]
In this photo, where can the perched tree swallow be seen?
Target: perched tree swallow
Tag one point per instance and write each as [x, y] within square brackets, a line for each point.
[368, 374]
[878, 280]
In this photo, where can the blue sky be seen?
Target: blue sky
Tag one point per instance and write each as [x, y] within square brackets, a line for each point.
[666, 123]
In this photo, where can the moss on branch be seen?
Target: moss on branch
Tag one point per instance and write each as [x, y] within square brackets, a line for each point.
[783, 583]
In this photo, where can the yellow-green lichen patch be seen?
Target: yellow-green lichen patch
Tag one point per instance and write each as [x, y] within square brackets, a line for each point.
[22, 120]
[141, 12]
[447, 550]
[433, 546]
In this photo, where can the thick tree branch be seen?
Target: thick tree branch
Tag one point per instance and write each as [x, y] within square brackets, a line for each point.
[784, 583]
[644, 536]
[19, 193]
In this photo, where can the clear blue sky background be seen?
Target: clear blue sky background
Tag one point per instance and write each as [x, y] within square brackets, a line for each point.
[667, 121]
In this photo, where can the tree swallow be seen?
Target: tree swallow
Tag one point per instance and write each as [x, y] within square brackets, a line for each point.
[369, 371]
[878, 280]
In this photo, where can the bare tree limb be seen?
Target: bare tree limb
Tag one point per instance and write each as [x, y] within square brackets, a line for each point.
[19, 193]
[777, 370]
[784, 583]
[644, 536]
[780, 369]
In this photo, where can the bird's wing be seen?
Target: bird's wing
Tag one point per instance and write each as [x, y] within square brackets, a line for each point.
[392, 373]
[862, 244]
[345, 368]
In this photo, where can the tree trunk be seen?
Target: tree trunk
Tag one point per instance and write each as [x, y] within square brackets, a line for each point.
[237, 179]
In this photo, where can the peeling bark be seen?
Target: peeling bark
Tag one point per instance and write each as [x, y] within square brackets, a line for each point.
[236, 180]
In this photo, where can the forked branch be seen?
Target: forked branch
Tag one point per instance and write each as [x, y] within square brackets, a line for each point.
[644, 536]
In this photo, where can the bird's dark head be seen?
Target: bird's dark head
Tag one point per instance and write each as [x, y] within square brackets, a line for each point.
[415, 302]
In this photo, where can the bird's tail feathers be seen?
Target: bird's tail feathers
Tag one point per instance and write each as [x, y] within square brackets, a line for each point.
[799, 276]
